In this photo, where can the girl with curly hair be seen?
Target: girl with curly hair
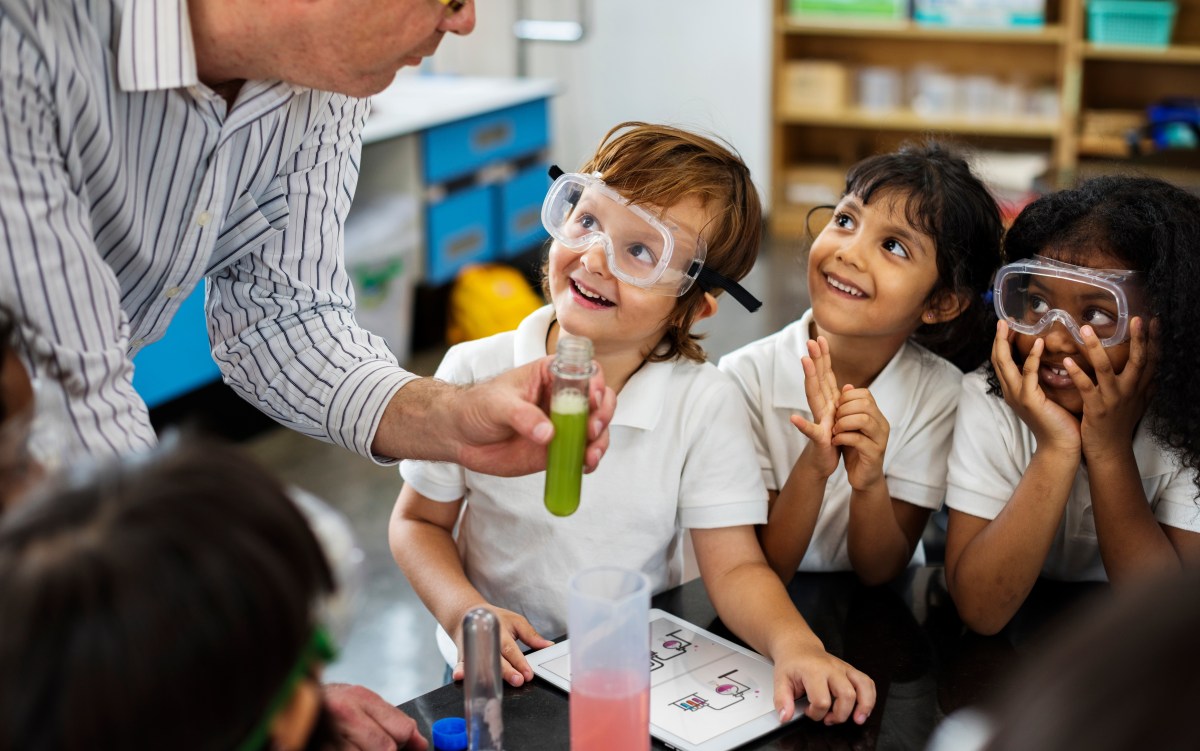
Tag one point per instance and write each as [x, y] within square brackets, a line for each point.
[1079, 461]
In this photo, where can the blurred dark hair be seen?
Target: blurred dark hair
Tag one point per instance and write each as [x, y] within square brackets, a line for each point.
[157, 602]
[947, 202]
[1120, 675]
[1153, 227]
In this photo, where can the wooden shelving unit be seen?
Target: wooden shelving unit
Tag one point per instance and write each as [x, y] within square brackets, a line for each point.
[1086, 77]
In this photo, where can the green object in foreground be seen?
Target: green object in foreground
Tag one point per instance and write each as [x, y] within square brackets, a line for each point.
[564, 457]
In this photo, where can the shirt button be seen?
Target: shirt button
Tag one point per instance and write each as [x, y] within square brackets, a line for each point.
[203, 218]
[172, 292]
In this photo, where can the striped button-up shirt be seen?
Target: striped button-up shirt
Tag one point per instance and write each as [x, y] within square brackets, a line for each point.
[125, 182]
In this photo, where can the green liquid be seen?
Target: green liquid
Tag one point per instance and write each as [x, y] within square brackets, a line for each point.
[564, 456]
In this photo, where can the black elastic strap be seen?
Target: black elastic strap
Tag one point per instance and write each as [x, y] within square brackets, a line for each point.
[555, 172]
[709, 279]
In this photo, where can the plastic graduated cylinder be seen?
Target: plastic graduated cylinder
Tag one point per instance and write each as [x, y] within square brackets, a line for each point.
[572, 370]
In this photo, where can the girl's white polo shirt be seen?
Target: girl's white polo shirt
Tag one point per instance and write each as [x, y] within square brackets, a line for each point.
[992, 449]
[916, 392]
[680, 455]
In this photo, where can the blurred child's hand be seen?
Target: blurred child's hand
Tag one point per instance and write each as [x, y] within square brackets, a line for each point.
[835, 690]
[1052, 425]
[820, 386]
[513, 665]
[862, 432]
[1113, 405]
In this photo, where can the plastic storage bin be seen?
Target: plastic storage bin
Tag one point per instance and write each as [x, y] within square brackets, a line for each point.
[866, 10]
[459, 148]
[1139, 22]
[382, 239]
[461, 229]
[998, 14]
[520, 210]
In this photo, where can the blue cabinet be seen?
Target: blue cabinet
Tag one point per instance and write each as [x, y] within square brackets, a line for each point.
[181, 360]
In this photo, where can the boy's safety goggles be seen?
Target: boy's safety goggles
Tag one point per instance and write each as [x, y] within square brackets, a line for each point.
[1034, 293]
[641, 248]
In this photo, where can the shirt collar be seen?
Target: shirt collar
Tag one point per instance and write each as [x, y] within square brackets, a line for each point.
[888, 388]
[156, 49]
[640, 404]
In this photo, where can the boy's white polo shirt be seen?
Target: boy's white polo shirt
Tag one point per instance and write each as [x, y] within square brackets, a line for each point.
[680, 455]
[916, 392]
[992, 450]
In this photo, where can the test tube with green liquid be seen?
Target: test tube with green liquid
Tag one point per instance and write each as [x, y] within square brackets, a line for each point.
[572, 369]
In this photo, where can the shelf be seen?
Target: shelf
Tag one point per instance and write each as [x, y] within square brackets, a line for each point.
[906, 120]
[789, 220]
[826, 27]
[1175, 54]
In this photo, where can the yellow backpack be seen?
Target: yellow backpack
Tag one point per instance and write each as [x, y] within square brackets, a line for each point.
[486, 299]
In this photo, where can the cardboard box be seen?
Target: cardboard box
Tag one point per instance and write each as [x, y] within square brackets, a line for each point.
[808, 85]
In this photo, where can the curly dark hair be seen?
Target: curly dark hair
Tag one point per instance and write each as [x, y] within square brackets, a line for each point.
[1153, 227]
[947, 202]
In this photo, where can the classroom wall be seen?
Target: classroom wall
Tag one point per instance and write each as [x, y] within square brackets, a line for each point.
[703, 64]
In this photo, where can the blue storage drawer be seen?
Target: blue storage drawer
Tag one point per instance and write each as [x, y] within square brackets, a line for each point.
[181, 360]
[461, 230]
[521, 210]
[463, 146]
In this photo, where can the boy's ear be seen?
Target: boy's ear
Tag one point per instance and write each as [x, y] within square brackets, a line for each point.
[710, 307]
[944, 306]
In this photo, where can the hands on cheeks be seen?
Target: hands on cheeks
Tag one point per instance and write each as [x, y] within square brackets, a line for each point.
[513, 665]
[1052, 425]
[504, 427]
[835, 690]
[366, 722]
[848, 422]
[1113, 405]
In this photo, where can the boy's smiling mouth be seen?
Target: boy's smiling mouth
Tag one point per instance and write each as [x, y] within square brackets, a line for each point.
[590, 297]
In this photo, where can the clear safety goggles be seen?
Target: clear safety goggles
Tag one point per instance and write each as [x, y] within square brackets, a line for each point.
[1034, 293]
[641, 248]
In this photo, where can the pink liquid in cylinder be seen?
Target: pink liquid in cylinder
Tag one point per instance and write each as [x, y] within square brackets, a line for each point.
[605, 716]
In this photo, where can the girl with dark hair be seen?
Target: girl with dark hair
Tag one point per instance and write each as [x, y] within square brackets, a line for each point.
[851, 404]
[1079, 462]
[166, 601]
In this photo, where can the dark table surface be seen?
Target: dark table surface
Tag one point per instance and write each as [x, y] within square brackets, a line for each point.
[907, 636]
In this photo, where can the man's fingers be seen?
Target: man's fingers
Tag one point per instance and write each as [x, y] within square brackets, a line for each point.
[369, 723]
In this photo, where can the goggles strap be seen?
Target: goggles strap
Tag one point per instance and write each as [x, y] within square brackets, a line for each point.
[709, 279]
[555, 172]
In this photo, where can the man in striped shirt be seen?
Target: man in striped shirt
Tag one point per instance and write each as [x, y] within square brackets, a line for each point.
[149, 145]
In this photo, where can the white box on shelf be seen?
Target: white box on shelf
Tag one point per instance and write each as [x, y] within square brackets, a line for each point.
[383, 237]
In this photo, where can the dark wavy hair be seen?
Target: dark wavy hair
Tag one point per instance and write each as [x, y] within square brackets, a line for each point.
[156, 602]
[1153, 227]
[662, 165]
[947, 202]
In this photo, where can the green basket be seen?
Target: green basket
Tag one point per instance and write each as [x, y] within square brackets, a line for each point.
[1140, 22]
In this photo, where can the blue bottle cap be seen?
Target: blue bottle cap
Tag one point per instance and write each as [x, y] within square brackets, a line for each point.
[450, 734]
